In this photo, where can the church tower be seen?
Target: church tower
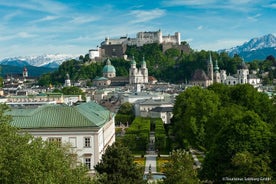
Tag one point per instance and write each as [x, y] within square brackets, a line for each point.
[144, 71]
[67, 82]
[25, 72]
[132, 71]
[243, 73]
[217, 74]
[210, 69]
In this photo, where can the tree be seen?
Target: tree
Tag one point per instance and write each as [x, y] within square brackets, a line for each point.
[192, 109]
[245, 137]
[73, 91]
[126, 108]
[125, 114]
[118, 166]
[179, 170]
[25, 159]
[247, 96]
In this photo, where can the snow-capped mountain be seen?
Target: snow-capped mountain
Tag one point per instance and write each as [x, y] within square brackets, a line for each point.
[256, 48]
[47, 60]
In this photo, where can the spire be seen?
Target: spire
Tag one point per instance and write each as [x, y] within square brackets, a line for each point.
[216, 68]
[210, 58]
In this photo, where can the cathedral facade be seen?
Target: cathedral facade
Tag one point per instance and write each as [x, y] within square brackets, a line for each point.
[136, 75]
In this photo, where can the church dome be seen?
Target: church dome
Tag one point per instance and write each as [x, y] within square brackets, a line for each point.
[109, 68]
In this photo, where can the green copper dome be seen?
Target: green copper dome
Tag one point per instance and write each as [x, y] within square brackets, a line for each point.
[109, 68]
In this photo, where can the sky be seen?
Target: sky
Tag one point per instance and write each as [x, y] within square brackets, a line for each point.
[37, 27]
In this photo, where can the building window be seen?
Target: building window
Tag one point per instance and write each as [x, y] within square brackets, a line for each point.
[87, 142]
[56, 140]
[87, 162]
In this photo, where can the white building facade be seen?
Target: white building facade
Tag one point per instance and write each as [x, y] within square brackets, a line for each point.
[136, 75]
[88, 128]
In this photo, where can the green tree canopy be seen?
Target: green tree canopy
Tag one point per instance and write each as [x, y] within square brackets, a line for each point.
[192, 109]
[245, 136]
[179, 170]
[126, 108]
[25, 159]
[118, 166]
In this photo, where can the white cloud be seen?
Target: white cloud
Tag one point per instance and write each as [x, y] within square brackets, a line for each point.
[144, 16]
[11, 15]
[41, 6]
[187, 2]
[25, 35]
[199, 28]
[46, 18]
[84, 19]
[272, 5]
[254, 18]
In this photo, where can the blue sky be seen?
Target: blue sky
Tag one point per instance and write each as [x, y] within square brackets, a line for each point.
[36, 27]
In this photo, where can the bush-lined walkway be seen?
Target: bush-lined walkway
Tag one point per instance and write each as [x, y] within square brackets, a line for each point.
[151, 155]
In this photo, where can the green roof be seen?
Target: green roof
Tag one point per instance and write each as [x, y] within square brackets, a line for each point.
[61, 116]
[109, 68]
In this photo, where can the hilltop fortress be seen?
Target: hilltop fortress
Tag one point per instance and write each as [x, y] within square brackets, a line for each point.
[117, 47]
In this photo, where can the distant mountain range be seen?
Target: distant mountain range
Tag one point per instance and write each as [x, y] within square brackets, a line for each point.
[255, 49]
[36, 65]
[48, 60]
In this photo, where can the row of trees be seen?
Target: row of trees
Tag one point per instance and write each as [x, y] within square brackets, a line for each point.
[161, 65]
[136, 137]
[234, 125]
[160, 135]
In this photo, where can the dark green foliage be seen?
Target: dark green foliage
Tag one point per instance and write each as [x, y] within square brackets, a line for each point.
[244, 136]
[118, 166]
[33, 71]
[237, 128]
[125, 114]
[123, 118]
[161, 65]
[137, 135]
[73, 91]
[25, 159]
[247, 96]
[160, 135]
[192, 110]
[179, 170]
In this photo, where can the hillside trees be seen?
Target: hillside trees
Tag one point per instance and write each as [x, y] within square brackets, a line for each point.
[161, 65]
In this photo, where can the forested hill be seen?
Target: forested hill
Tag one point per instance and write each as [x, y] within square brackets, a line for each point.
[16, 70]
[169, 66]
